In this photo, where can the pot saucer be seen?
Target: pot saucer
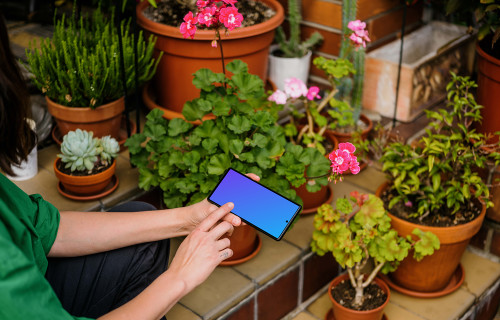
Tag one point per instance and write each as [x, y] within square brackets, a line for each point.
[329, 315]
[258, 246]
[113, 184]
[315, 209]
[56, 134]
[455, 282]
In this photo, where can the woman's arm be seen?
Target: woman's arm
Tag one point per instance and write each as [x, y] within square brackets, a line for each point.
[196, 258]
[82, 233]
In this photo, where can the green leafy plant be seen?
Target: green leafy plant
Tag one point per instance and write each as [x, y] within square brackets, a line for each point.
[438, 176]
[358, 229]
[294, 47]
[81, 65]
[340, 111]
[186, 160]
[80, 151]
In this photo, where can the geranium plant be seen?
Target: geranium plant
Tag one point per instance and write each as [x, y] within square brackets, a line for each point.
[358, 229]
[212, 14]
[186, 161]
[437, 178]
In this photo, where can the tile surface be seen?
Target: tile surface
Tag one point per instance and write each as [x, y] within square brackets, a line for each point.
[304, 316]
[179, 312]
[274, 257]
[480, 273]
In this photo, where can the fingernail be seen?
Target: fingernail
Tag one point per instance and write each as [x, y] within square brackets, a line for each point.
[236, 221]
[230, 205]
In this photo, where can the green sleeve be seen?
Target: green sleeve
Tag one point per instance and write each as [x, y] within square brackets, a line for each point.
[24, 293]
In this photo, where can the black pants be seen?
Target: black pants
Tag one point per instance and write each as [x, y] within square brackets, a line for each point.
[90, 286]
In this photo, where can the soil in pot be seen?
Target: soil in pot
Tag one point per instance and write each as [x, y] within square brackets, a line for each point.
[344, 294]
[97, 169]
[173, 12]
[467, 212]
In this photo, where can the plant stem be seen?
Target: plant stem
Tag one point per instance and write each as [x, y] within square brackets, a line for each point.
[221, 55]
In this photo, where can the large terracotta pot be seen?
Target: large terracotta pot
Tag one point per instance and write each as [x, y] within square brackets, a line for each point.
[85, 185]
[433, 273]
[183, 57]
[102, 121]
[347, 137]
[311, 201]
[342, 313]
[488, 90]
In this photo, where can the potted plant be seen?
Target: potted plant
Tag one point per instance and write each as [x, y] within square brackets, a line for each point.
[86, 165]
[186, 160]
[307, 127]
[358, 231]
[183, 56]
[435, 185]
[486, 18]
[79, 72]
[291, 58]
[347, 87]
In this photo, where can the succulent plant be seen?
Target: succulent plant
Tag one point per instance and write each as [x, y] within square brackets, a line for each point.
[80, 151]
[110, 149]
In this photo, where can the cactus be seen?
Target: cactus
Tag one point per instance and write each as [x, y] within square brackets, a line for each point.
[351, 88]
[293, 47]
[80, 151]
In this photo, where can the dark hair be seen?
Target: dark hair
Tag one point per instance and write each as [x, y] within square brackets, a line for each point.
[16, 137]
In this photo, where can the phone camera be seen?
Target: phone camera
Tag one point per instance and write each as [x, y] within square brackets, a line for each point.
[286, 220]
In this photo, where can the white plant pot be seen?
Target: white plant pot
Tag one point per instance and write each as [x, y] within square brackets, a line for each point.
[284, 68]
[28, 168]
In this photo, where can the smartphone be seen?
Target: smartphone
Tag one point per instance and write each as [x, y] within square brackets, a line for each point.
[257, 205]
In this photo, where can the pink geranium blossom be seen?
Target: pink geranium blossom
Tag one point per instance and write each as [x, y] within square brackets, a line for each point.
[230, 2]
[295, 88]
[278, 96]
[359, 36]
[343, 160]
[188, 27]
[206, 16]
[230, 17]
[313, 93]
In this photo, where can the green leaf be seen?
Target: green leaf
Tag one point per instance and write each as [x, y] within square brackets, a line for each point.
[203, 79]
[177, 126]
[221, 108]
[259, 140]
[218, 164]
[237, 66]
[236, 146]
[147, 179]
[191, 111]
[134, 143]
[239, 124]
[210, 145]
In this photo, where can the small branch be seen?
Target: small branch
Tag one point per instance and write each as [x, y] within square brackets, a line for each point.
[372, 275]
[351, 277]
[327, 99]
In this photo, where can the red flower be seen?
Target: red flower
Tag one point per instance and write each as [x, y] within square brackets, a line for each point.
[188, 28]
[230, 17]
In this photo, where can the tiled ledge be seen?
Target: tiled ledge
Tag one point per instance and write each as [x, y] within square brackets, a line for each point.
[285, 280]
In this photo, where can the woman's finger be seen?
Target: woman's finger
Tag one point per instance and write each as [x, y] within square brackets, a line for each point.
[225, 254]
[215, 216]
[221, 229]
[222, 244]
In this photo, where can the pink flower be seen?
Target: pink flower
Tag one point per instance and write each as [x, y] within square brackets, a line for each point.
[349, 147]
[230, 17]
[231, 2]
[313, 93]
[408, 203]
[354, 165]
[359, 36]
[356, 25]
[340, 161]
[202, 4]
[206, 17]
[295, 88]
[188, 28]
[278, 96]
[214, 44]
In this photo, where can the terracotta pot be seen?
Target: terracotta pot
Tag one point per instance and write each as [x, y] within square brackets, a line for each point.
[494, 212]
[85, 185]
[347, 137]
[242, 242]
[102, 121]
[311, 201]
[433, 273]
[488, 91]
[342, 313]
[183, 57]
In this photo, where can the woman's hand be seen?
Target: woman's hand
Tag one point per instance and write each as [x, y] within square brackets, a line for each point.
[199, 211]
[203, 249]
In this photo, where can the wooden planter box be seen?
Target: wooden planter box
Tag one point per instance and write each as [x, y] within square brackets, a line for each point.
[429, 54]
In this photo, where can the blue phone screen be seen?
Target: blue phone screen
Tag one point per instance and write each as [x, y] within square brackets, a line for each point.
[256, 204]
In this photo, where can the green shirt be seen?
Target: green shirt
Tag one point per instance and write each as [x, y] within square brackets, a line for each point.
[28, 228]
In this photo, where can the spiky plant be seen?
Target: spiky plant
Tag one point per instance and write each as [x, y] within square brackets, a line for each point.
[294, 47]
